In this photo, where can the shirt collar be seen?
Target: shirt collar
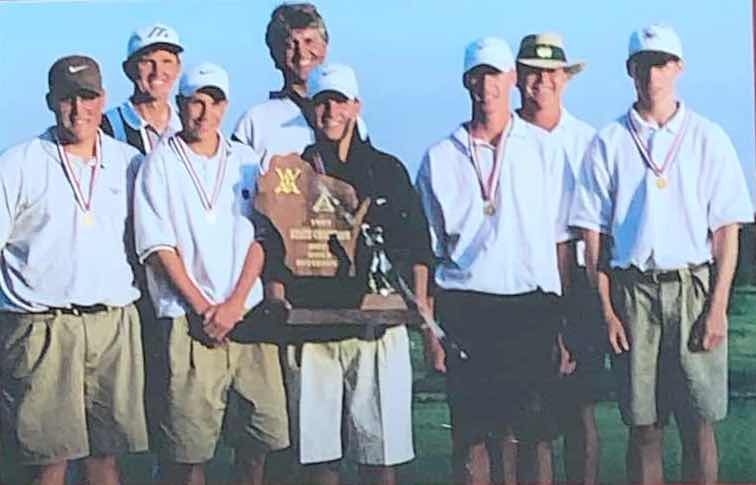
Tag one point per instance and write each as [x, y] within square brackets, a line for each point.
[672, 126]
[133, 119]
[50, 145]
[460, 135]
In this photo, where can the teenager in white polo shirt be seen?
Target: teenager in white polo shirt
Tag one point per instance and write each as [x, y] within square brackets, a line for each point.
[71, 365]
[152, 64]
[193, 228]
[495, 196]
[543, 72]
[661, 195]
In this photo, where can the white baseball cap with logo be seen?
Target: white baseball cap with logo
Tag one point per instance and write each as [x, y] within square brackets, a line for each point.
[339, 78]
[489, 51]
[655, 38]
[205, 75]
[333, 77]
[152, 36]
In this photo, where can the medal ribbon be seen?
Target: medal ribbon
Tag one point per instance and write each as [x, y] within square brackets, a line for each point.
[646, 153]
[85, 203]
[207, 201]
[488, 188]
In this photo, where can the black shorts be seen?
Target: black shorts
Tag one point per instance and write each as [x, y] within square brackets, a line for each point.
[509, 378]
[586, 338]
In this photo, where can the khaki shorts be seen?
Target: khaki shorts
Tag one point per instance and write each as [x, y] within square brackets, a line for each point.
[72, 385]
[358, 389]
[664, 372]
[204, 383]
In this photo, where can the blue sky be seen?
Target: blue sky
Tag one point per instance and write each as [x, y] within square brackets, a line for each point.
[407, 54]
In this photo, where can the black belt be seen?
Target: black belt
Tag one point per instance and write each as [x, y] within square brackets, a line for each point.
[79, 310]
[662, 276]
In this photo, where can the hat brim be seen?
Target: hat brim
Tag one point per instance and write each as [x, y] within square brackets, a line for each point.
[175, 48]
[571, 68]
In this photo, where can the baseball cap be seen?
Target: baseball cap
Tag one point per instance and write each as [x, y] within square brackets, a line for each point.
[155, 35]
[333, 77]
[546, 51]
[655, 38]
[71, 75]
[490, 51]
[201, 76]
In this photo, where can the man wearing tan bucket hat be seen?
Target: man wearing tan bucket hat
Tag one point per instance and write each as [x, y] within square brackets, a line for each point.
[543, 72]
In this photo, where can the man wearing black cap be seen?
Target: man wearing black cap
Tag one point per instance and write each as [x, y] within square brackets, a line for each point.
[71, 358]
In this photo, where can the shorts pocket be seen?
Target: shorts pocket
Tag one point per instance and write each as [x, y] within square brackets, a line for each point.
[25, 348]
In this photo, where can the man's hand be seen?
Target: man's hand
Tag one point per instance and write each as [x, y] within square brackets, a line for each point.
[435, 356]
[617, 337]
[220, 319]
[567, 363]
[715, 329]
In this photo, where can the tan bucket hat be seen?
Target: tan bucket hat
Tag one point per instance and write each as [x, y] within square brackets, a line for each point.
[546, 50]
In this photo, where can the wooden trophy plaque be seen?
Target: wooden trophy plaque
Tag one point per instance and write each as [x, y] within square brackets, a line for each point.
[319, 218]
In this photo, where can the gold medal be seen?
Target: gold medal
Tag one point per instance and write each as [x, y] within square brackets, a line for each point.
[661, 182]
[88, 219]
[489, 209]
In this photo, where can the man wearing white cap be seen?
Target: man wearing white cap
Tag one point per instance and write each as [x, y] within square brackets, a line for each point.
[543, 72]
[357, 388]
[495, 196]
[71, 367]
[660, 198]
[152, 64]
[192, 215]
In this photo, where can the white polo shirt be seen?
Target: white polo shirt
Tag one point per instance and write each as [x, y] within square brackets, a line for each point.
[169, 214]
[275, 127]
[573, 136]
[50, 256]
[278, 127]
[512, 251]
[661, 228]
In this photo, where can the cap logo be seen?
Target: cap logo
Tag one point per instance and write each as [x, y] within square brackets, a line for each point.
[158, 31]
[649, 34]
[204, 72]
[75, 69]
[544, 52]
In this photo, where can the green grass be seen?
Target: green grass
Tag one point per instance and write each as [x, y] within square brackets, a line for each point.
[736, 434]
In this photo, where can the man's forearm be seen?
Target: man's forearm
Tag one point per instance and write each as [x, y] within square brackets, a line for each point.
[565, 262]
[725, 250]
[595, 248]
[170, 262]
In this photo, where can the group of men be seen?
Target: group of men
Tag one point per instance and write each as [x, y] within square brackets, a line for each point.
[512, 215]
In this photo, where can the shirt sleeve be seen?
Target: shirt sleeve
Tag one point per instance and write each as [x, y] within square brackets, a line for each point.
[729, 199]
[10, 195]
[431, 208]
[413, 219]
[591, 206]
[561, 189]
[152, 215]
[245, 130]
